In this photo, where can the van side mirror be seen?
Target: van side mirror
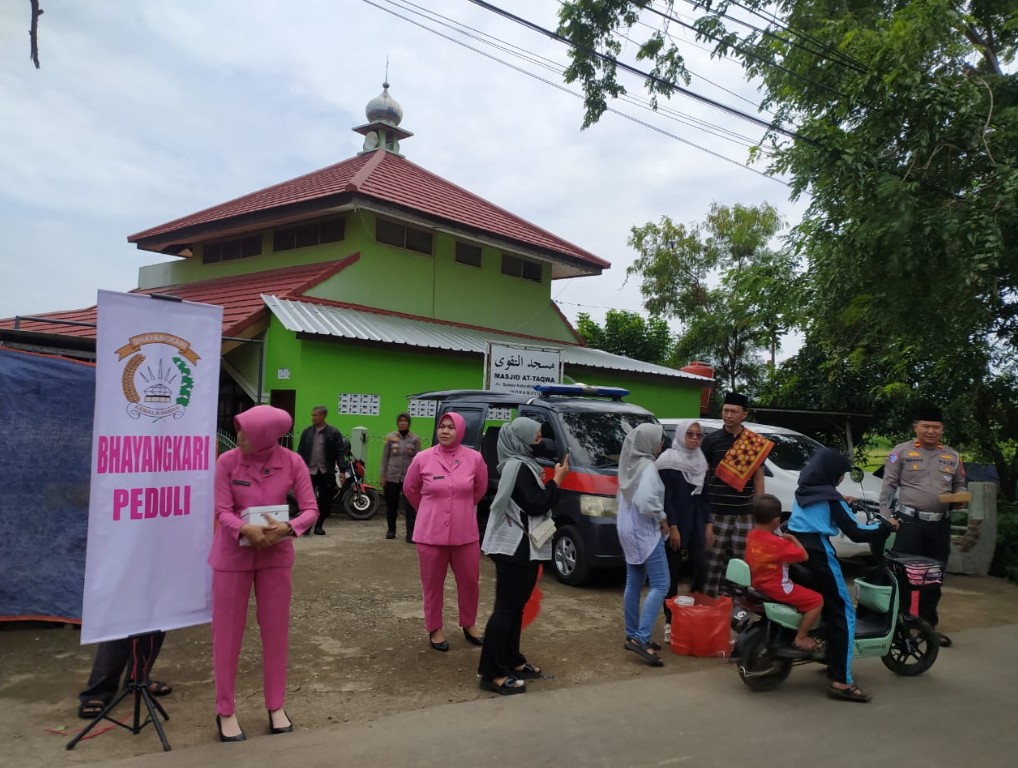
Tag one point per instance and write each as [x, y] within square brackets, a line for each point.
[857, 474]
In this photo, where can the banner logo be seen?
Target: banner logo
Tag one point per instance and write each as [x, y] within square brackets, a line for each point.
[157, 382]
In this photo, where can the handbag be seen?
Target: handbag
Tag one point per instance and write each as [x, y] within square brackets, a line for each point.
[542, 534]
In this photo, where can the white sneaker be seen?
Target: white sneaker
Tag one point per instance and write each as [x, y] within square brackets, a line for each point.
[668, 634]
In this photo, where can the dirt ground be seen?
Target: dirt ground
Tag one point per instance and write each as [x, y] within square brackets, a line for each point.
[358, 652]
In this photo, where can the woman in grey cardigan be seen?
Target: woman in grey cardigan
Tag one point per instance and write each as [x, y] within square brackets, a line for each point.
[522, 502]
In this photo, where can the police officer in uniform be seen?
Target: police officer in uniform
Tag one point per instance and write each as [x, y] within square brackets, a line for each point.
[919, 471]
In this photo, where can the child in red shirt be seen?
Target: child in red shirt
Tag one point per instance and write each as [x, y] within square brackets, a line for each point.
[768, 554]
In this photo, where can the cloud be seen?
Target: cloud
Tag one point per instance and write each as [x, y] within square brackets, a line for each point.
[147, 111]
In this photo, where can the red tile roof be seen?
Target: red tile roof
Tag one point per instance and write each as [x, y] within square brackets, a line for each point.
[388, 178]
[240, 297]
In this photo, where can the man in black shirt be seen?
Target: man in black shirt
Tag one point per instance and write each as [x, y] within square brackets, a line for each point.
[322, 447]
[729, 507]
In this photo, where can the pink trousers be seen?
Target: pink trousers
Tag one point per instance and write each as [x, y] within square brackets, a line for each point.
[465, 560]
[230, 593]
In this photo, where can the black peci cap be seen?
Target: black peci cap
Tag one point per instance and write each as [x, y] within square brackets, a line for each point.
[734, 398]
[929, 412]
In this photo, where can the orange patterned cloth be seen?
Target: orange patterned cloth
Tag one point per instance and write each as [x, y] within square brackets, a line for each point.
[743, 459]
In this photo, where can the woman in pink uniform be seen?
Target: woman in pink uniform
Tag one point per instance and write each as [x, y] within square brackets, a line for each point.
[444, 484]
[257, 472]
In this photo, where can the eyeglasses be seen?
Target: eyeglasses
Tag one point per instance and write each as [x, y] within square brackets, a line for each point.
[695, 435]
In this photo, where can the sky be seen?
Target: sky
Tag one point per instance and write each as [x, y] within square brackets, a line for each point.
[144, 111]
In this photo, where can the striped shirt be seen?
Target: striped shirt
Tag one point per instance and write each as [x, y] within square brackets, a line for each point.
[724, 500]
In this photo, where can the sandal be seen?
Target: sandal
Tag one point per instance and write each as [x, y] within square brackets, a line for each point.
[157, 688]
[653, 645]
[643, 650]
[91, 709]
[852, 693]
[527, 672]
[508, 687]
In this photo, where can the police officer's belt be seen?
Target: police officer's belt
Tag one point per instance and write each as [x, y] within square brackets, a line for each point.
[929, 517]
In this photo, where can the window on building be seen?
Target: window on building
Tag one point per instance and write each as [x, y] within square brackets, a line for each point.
[304, 235]
[402, 236]
[515, 266]
[468, 254]
[228, 250]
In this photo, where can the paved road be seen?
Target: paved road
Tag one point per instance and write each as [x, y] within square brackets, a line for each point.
[963, 712]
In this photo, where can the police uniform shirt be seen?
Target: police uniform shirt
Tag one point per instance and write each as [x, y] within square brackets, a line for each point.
[921, 475]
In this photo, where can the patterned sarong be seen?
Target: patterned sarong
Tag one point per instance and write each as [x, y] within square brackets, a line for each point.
[743, 459]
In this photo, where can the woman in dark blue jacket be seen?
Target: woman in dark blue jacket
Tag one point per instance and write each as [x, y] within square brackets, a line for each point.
[819, 512]
[682, 468]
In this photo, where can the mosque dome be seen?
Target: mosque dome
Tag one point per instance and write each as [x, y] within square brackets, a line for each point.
[383, 108]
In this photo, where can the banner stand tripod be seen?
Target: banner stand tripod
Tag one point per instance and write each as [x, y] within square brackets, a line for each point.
[138, 685]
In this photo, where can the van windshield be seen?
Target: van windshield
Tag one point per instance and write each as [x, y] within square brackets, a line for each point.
[595, 439]
[791, 452]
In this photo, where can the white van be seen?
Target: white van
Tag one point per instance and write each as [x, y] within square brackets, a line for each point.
[790, 453]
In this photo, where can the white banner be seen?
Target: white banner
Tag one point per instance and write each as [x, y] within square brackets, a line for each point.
[517, 369]
[153, 458]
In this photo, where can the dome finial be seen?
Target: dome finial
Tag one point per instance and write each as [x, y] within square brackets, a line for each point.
[384, 115]
[383, 108]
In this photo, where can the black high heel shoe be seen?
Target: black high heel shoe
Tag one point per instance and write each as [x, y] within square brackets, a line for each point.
[278, 729]
[442, 646]
[239, 737]
[472, 639]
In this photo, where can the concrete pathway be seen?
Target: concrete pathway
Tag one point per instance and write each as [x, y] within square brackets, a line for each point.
[964, 712]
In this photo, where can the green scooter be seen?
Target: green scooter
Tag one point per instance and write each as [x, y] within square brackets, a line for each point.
[907, 645]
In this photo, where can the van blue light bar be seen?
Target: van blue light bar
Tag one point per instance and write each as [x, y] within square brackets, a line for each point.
[581, 390]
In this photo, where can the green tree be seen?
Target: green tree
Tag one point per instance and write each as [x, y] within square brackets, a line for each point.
[900, 120]
[628, 334]
[734, 295]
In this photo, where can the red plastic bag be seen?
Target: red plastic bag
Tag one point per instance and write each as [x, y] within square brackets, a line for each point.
[533, 604]
[702, 629]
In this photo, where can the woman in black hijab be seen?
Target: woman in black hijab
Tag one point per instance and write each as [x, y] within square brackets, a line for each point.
[819, 512]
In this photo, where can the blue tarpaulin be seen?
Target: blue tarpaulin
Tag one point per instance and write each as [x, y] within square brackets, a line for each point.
[46, 409]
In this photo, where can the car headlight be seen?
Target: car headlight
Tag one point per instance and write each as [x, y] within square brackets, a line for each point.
[598, 506]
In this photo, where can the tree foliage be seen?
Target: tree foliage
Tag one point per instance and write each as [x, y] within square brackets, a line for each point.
[734, 295]
[628, 334]
[905, 118]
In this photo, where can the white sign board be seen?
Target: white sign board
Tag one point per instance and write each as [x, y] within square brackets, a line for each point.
[517, 369]
[150, 507]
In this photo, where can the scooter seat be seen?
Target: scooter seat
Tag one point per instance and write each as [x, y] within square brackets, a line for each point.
[783, 614]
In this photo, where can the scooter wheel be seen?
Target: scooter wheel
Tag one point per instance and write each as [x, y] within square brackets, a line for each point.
[914, 648]
[758, 667]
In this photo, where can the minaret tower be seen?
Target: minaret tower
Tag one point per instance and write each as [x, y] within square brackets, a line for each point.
[382, 130]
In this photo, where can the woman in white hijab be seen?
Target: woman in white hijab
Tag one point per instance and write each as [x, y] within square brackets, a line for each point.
[682, 469]
[642, 526]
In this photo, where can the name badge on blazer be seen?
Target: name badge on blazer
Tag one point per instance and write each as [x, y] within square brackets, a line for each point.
[438, 477]
[241, 482]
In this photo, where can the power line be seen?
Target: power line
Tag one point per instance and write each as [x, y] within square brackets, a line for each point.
[564, 89]
[767, 33]
[718, 131]
[849, 61]
[664, 84]
[659, 82]
[747, 53]
[692, 44]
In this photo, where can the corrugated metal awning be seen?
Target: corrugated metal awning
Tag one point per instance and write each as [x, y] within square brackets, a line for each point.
[348, 323]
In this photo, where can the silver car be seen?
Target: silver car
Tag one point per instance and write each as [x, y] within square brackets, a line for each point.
[790, 453]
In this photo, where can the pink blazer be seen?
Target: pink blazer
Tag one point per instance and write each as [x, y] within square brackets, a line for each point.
[445, 489]
[239, 485]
